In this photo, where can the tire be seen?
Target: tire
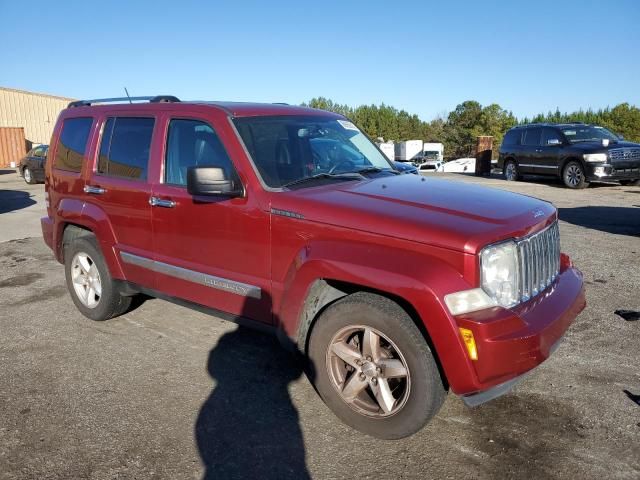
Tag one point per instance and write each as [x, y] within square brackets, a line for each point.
[511, 172]
[630, 183]
[416, 397]
[28, 176]
[573, 176]
[105, 302]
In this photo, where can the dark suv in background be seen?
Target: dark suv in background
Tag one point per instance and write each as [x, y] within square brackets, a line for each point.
[576, 152]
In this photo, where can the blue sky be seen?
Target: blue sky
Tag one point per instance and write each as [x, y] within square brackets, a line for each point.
[425, 57]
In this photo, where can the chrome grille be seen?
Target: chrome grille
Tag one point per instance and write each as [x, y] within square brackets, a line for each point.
[539, 257]
[624, 154]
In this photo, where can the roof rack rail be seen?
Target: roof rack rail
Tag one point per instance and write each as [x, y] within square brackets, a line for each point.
[154, 99]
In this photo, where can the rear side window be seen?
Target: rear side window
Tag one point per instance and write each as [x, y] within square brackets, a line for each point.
[512, 137]
[73, 143]
[125, 146]
[532, 136]
[192, 143]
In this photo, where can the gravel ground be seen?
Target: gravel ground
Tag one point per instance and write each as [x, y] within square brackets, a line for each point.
[163, 391]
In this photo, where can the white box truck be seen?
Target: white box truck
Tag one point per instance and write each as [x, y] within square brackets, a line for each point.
[433, 151]
[408, 151]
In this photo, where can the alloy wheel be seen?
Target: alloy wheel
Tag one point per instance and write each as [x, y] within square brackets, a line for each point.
[368, 371]
[86, 280]
[510, 171]
[27, 175]
[573, 175]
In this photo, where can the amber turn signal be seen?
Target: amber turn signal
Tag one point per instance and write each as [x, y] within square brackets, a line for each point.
[469, 342]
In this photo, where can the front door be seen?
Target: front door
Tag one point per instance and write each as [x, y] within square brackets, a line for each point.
[211, 250]
[549, 155]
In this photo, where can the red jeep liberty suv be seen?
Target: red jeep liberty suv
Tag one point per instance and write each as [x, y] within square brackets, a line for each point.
[396, 288]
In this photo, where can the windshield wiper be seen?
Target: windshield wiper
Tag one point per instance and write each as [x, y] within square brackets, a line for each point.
[338, 176]
[376, 170]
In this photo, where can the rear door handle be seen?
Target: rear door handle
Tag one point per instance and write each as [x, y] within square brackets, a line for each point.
[160, 202]
[94, 190]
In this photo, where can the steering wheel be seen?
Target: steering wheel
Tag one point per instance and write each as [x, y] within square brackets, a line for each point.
[349, 164]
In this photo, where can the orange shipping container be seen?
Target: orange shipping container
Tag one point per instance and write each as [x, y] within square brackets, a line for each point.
[12, 145]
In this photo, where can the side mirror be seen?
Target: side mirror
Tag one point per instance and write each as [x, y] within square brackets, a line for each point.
[554, 141]
[620, 137]
[211, 181]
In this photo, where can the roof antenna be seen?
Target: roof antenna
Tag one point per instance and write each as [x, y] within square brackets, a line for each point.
[125, 91]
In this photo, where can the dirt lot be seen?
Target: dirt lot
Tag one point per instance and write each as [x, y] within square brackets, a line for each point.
[163, 391]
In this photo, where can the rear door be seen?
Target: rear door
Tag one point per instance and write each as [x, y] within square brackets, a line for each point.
[529, 156]
[548, 157]
[211, 250]
[119, 186]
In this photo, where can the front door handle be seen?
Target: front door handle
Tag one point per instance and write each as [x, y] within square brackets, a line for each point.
[159, 202]
[94, 190]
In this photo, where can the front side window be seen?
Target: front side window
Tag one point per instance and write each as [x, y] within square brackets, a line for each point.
[551, 136]
[73, 143]
[532, 136]
[192, 143]
[40, 152]
[288, 149]
[125, 147]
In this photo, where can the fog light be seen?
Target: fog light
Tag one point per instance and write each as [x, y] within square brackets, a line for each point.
[599, 172]
[469, 342]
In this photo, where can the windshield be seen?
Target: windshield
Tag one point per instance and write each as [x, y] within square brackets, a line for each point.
[286, 149]
[588, 133]
[431, 155]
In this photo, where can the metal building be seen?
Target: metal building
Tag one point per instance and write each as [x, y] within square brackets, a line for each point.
[36, 113]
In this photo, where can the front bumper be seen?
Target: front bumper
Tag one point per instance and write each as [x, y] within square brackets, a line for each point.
[511, 342]
[608, 172]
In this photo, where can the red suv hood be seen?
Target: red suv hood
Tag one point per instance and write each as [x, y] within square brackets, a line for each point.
[449, 214]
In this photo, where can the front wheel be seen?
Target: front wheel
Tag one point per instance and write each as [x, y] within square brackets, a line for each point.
[573, 175]
[373, 368]
[28, 176]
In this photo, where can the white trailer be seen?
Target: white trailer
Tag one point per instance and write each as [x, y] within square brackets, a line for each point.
[388, 149]
[409, 150]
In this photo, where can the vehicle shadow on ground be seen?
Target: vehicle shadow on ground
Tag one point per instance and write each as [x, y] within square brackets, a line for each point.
[249, 427]
[4, 171]
[617, 220]
[11, 200]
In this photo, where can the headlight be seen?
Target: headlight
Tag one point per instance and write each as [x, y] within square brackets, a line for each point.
[499, 273]
[595, 157]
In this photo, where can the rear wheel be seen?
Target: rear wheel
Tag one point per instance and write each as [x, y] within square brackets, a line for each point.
[89, 282]
[511, 171]
[573, 175]
[28, 176]
[373, 368]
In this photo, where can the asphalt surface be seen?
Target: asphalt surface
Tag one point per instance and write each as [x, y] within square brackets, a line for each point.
[163, 391]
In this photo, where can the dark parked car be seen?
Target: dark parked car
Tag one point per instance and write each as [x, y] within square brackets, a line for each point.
[394, 288]
[31, 166]
[406, 167]
[576, 152]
